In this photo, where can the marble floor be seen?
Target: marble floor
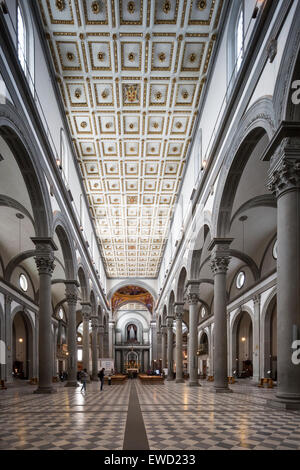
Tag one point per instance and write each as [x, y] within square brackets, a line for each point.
[173, 417]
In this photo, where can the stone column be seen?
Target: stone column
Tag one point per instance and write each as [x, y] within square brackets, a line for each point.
[86, 316]
[170, 320]
[178, 306]
[256, 338]
[94, 348]
[153, 353]
[146, 360]
[44, 259]
[211, 347]
[193, 301]
[111, 341]
[72, 297]
[163, 346]
[284, 182]
[8, 340]
[101, 341]
[158, 339]
[219, 264]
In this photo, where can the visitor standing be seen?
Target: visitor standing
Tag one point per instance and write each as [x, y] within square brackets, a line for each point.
[84, 377]
[101, 378]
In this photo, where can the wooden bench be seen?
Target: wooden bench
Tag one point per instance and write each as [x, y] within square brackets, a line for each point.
[151, 379]
[2, 385]
[33, 381]
[210, 378]
[231, 380]
[267, 381]
[116, 379]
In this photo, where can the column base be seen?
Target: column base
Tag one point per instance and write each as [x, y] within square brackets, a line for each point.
[179, 381]
[284, 403]
[194, 384]
[95, 378]
[45, 390]
[72, 384]
[222, 390]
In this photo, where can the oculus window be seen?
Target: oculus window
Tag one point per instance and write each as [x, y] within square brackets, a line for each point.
[23, 282]
[240, 279]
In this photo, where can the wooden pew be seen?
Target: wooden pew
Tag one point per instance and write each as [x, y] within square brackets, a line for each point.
[151, 379]
[116, 379]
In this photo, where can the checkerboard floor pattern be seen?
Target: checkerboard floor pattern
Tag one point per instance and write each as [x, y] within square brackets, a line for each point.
[67, 419]
[176, 417]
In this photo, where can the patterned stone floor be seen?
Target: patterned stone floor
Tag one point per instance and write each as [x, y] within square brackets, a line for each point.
[175, 416]
[67, 419]
[181, 418]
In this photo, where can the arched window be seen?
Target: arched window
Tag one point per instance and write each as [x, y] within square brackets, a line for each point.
[239, 39]
[25, 41]
[22, 39]
[235, 41]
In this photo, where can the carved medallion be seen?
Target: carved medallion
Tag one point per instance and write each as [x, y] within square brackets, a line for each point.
[131, 7]
[96, 7]
[131, 93]
[70, 56]
[167, 7]
[201, 5]
[131, 56]
[60, 5]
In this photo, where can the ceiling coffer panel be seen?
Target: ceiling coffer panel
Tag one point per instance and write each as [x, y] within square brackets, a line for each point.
[131, 74]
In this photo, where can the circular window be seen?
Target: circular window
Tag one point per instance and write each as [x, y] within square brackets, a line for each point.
[240, 280]
[275, 253]
[60, 314]
[23, 282]
[203, 312]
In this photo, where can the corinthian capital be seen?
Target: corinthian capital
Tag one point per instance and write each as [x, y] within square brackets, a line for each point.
[192, 298]
[219, 265]
[192, 292]
[178, 307]
[86, 310]
[72, 292]
[285, 177]
[220, 255]
[95, 322]
[44, 257]
[284, 174]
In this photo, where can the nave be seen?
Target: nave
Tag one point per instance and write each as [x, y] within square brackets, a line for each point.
[174, 416]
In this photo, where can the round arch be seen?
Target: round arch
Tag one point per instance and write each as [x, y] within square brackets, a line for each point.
[84, 288]
[62, 231]
[182, 278]
[241, 333]
[28, 342]
[259, 121]
[134, 282]
[26, 156]
[171, 304]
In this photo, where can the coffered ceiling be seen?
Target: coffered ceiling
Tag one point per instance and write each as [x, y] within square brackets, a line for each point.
[131, 74]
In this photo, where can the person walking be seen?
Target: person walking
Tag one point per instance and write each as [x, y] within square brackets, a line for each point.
[84, 377]
[101, 378]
